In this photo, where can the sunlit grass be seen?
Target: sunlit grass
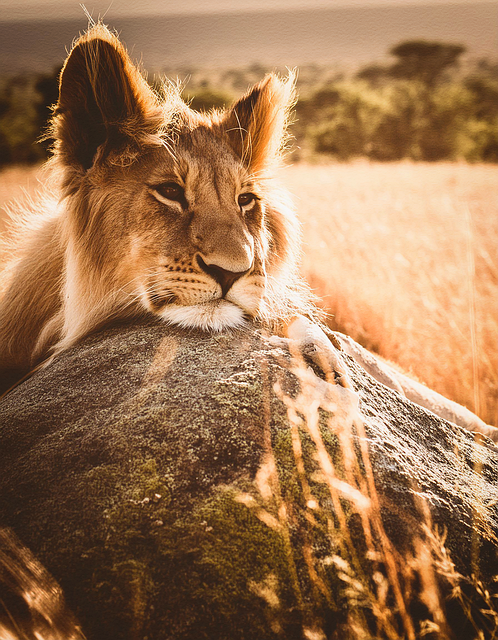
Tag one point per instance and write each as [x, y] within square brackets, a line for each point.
[389, 591]
[404, 257]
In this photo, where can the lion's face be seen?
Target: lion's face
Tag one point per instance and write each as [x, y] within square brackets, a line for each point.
[170, 210]
[195, 239]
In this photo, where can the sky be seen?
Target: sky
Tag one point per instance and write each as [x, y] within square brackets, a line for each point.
[36, 9]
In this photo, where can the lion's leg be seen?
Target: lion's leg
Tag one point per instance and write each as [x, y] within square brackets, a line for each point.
[415, 391]
[444, 407]
[378, 369]
[29, 304]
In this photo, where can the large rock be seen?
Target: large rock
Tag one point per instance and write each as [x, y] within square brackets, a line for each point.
[187, 486]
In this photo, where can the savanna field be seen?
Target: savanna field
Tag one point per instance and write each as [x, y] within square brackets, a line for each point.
[402, 256]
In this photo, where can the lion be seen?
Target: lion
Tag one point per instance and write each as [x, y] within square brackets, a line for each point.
[161, 210]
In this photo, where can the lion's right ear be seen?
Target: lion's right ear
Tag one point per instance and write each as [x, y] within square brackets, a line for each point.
[104, 102]
[256, 124]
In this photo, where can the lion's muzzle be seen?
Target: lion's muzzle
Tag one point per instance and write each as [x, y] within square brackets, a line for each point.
[222, 276]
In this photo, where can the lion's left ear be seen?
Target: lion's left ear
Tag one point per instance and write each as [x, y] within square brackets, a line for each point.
[256, 124]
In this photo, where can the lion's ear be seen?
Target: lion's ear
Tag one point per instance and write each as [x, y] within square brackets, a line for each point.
[256, 124]
[104, 102]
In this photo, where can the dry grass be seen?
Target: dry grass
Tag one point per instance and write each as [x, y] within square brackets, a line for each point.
[390, 593]
[404, 257]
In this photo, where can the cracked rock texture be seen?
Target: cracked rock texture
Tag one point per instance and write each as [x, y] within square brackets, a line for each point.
[181, 485]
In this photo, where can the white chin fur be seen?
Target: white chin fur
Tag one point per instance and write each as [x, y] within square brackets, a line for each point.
[210, 316]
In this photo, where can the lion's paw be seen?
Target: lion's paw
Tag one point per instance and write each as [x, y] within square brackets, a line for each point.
[311, 342]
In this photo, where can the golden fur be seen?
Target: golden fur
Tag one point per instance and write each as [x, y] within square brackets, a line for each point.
[158, 210]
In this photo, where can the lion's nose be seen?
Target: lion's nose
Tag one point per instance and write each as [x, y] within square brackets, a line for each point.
[224, 278]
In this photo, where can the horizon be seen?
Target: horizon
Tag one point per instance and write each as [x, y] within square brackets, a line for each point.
[26, 10]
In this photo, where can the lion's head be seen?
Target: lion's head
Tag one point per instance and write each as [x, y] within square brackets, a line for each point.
[169, 210]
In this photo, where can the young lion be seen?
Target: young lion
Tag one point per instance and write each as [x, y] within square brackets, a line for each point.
[159, 210]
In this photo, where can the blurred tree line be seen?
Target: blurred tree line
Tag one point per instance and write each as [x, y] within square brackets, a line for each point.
[25, 103]
[422, 106]
[419, 107]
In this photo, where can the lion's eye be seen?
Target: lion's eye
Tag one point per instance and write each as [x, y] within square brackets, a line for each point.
[170, 191]
[245, 199]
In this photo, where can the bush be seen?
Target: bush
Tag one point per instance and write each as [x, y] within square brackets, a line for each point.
[478, 141]
[350, 112]
[25, 103]
[403, 119]
[18, 121]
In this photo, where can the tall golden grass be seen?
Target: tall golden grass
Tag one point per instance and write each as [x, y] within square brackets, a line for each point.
[404, 258]
[390, 593]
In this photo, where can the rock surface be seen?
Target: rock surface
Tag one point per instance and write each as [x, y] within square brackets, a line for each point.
[183, 486]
